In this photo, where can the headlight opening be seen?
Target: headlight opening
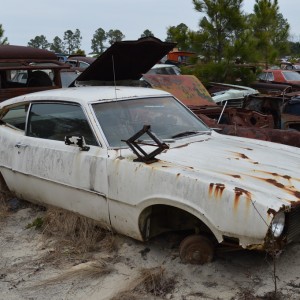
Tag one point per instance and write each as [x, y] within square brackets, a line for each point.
[278, 224]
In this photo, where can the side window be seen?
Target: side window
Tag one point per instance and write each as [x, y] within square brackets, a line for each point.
[83, 64]
[16, 116]
[54, 121]
[262, 76]
[270, 76]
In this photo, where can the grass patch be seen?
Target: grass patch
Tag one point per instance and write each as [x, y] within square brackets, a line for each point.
[37, 224]
[89, 270]
[151, 281]
[74, 234]
[4, 208]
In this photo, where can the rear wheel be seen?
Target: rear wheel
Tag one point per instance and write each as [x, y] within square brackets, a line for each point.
[196, 249]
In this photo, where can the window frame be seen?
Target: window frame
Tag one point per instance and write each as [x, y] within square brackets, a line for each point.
[45, 102]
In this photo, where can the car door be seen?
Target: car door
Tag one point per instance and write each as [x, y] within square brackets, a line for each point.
[49, 171]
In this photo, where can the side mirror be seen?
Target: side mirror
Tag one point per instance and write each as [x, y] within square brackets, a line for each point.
[78, 141]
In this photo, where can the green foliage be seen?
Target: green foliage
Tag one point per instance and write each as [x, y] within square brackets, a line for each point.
[72, 40]
[179, 34]
[221, 26]
[147, 33]
[58, 45]
[221, 72]
[3, 40]
[294, 48]
[37, 224]
[40, 42]
[270, 30]
[98, 40]
[115, 36]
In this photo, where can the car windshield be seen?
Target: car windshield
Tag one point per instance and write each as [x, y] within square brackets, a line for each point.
[168, 119]
[291, 76]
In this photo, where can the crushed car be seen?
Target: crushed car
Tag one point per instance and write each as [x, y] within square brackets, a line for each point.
[138, 160]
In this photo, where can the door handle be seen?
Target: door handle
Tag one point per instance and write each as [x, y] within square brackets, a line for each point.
[20, 145]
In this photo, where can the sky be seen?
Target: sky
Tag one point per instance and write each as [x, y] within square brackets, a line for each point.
[24, 20]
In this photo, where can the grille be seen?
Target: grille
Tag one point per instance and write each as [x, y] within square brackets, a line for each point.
[293, 225]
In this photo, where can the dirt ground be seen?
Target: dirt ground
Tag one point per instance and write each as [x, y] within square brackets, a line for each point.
[29, 268]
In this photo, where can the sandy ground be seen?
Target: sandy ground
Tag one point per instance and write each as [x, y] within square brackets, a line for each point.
[28, 272]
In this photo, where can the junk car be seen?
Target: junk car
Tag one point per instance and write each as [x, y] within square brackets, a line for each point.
[139, 161]
[25, 70]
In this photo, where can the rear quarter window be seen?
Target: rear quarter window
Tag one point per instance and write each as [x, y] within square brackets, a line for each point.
[16, 116]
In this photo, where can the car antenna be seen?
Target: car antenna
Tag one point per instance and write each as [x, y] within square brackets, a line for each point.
[114, 73]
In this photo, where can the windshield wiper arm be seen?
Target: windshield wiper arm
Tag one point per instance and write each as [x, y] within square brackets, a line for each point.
[185, 133]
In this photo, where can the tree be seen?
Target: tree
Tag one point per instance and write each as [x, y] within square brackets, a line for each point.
[58, 45]
[179, 34]
[72, 40]
[221, 26]
[270, 29]
[115, 36]
[98, 40]
[147, 33]
[39, 41]
[3, 40]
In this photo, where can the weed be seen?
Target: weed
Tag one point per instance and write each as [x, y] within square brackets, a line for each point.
[89, 270]
[75, 234]
[37, 224]
[151, 281]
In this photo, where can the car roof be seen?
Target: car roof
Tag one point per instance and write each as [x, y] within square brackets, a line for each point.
[85, 95]
[12, 52]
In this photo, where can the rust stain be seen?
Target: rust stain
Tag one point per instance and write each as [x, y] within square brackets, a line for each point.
[287, 177]
[234, 176]
[241, 155]
[271, 212]
[210, 189]
[238, 193]
[275, 182]
[219, 188]
[216, 189]
[289, 189]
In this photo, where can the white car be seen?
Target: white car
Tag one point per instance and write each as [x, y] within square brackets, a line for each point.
[139, 161]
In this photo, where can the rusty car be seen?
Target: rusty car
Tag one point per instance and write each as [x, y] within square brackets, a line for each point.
[138, 160]
[25, 70]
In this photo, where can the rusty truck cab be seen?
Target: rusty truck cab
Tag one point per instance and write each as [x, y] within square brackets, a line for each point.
[25, 70]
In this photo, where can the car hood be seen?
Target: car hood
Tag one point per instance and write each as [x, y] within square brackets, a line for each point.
[268, 171]
[232, 94]
[127, 60]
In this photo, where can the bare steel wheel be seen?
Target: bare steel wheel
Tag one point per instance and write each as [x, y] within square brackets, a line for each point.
[196, 249]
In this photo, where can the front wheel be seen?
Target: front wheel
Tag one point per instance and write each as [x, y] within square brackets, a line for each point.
[196, 249]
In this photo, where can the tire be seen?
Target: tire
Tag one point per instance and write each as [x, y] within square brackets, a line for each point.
[196, 249]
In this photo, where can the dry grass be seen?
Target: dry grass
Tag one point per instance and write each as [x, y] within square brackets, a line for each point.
[151, 281]
[90, 270]
[74, 234]
[4, 208]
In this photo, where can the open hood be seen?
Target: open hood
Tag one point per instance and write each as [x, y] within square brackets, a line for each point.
[127, 60]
